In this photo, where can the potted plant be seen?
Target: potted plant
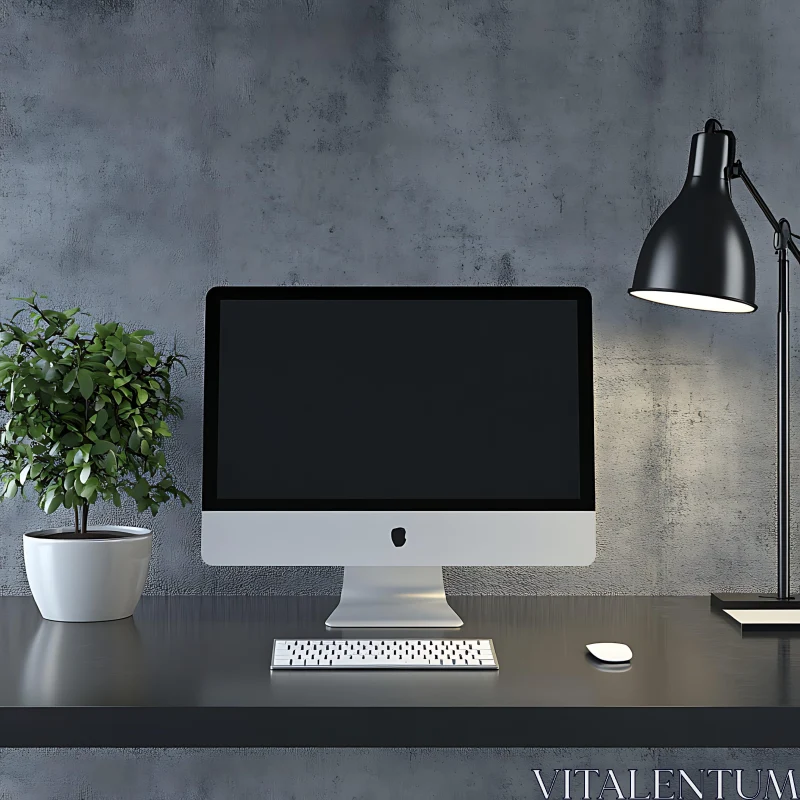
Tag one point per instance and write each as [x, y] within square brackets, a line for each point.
[86, 420]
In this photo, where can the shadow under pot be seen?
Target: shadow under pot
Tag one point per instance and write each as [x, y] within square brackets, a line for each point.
[94, 577]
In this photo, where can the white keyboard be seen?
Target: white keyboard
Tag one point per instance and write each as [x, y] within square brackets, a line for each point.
[383, 654]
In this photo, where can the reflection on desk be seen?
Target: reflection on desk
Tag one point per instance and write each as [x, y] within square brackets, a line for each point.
[98, 663]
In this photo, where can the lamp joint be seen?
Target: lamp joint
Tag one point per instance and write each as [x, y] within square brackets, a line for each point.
[783, 236]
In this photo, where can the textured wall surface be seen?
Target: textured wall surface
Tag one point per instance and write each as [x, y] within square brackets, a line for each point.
[356, 774]
[150, 150]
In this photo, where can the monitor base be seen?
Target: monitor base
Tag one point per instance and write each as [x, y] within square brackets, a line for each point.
[393, 597]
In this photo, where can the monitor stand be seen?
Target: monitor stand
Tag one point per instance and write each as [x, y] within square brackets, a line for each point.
[393, 597]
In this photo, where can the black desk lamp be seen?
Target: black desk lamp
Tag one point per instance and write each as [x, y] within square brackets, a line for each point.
[697, 255]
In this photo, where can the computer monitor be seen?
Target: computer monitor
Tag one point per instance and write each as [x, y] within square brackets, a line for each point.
[395, 430]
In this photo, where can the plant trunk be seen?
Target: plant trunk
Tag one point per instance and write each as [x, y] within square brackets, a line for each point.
[77, 521]
[85, 518]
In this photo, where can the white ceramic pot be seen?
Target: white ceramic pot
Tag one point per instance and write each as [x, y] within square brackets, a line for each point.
[87, 580]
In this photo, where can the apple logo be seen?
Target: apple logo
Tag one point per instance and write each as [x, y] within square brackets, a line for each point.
[398, 537]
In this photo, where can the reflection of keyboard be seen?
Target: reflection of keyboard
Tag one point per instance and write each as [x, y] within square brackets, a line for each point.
[383, 654]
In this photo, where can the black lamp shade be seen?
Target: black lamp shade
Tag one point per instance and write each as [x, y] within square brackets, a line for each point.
[698, 254]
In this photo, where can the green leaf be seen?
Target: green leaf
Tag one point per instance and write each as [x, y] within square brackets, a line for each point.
[140, 489]
[52, 501]
[133, 441]
[117, 498]
[11, 489]
[45, 354]
[143, 332]
[72, 331]
[89, 488]
[138, 420]
[110, 463]
[85, 473]
[142, 504]
[117, 396]
[36, 470]
[145, 447]
[102, 418]
[71, 312]
[23, 475]
[141, 396]
[85, 383]
[117, 356]
[5, 338]
[101, 447]
[54, 449]
[114, 434]
[71, 439]
[163, 430]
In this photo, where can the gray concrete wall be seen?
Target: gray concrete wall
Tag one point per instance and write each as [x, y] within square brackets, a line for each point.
[149, 150]
[361, 774]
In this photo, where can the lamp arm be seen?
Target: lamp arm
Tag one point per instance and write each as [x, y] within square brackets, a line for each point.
[783, 243]
[783, 234]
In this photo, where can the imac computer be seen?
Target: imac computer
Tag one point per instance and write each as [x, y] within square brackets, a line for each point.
[395, 430]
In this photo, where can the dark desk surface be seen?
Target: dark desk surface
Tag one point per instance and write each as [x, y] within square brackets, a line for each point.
[194, 671]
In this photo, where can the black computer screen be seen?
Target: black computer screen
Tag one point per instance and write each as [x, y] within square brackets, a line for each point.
[400, 399]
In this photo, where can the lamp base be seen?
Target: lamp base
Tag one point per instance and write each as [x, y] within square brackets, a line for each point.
[722, 600]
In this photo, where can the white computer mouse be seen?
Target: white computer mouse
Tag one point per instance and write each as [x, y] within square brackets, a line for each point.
[610, 652]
